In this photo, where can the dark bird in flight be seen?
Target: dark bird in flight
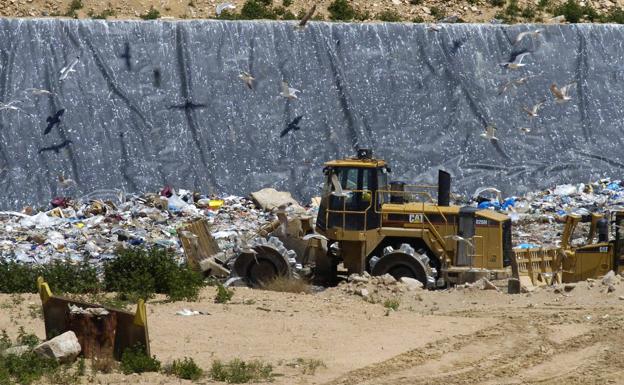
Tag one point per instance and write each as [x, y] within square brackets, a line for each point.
[156, 75]
[53, 120]
[126, 55]
[307, 17]
[188, 105]
[56, 147]
[292, 126]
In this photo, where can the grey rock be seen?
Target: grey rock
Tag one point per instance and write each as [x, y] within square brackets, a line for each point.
[387, 279]
[411, 283]
[16, 350]
[63, 348]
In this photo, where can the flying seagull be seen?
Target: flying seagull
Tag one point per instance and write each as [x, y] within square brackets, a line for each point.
[289, 93]
[515, 82]
[517, 63]
[55, 147]
[526, 130]
[434, 28]
[224, 7]
[561, 95]
[292, 126]
[68, 68]
[53, 120]
[127, 57]
[481, 190]
[533, 111]
[521, 35]
[247, 78]
[65, 182]
[307, 17]
[11, 106]
[39, 92]
[489, 133]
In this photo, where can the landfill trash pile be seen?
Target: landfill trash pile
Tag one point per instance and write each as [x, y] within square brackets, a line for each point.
[93, 229]
[538, 217]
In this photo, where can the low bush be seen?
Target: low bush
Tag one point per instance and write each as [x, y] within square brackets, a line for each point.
[142, 273]
[63, 276]
[186, 369]
[134, 360]
[241, 372]
[389, 16]
[341, 10]
[308, 366]
[152, 14]
[392, 304]
[224, 295]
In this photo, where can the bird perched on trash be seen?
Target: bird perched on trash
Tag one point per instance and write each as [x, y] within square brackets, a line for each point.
[53, 120]
[489, 133]
[65, 71]
[533, 111]
[460, 239]
[65, 182]
[56, 147]
[292, 126]
[307, 17]
[288, 92]
[225, 7]
[247, 78]
[561, 95]
[517, 62]
[521, 35]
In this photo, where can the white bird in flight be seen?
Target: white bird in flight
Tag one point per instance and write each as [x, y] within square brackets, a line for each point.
[526, 130]
[39, 91]
[247, 78]
[561, 95]
[489, 133]
[533, 111]
[65, 71]
[11, 106]
[517, 63]
[225, 6]
[288, 92]
[521, 35]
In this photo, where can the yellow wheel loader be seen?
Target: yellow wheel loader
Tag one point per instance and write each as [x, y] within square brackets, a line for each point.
[379, 226]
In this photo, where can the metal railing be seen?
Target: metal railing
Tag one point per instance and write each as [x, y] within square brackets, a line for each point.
[349, 194]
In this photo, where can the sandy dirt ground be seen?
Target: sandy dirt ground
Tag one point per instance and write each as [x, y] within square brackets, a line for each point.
[457, 336]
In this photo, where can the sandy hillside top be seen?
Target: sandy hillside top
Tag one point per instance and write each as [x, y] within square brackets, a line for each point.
[368, 10]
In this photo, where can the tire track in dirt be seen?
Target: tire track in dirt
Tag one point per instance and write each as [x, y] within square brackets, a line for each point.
[505, 354]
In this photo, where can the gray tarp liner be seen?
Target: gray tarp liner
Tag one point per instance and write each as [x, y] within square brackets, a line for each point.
[419, 98]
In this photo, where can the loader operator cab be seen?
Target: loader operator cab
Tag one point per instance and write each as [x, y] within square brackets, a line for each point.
[349, 199]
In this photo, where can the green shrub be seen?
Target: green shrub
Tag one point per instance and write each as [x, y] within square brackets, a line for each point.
[497, 3]
[241, 372]
[616, 15]
[224, 295]
[542, 4]
[287, 3]
[512, 9]
[25, 369]
[28, 339]
[341, 10]
[186, 369]
[437, 12]
[392, 304]
[141, 273]
[307, 366]
[257, 9]
[5, 341]
[73, 7]
[528, 12]
[62, 276]
[103, 15]
[389, 16]
[134, 360]
[572, 11]
[152, 14]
